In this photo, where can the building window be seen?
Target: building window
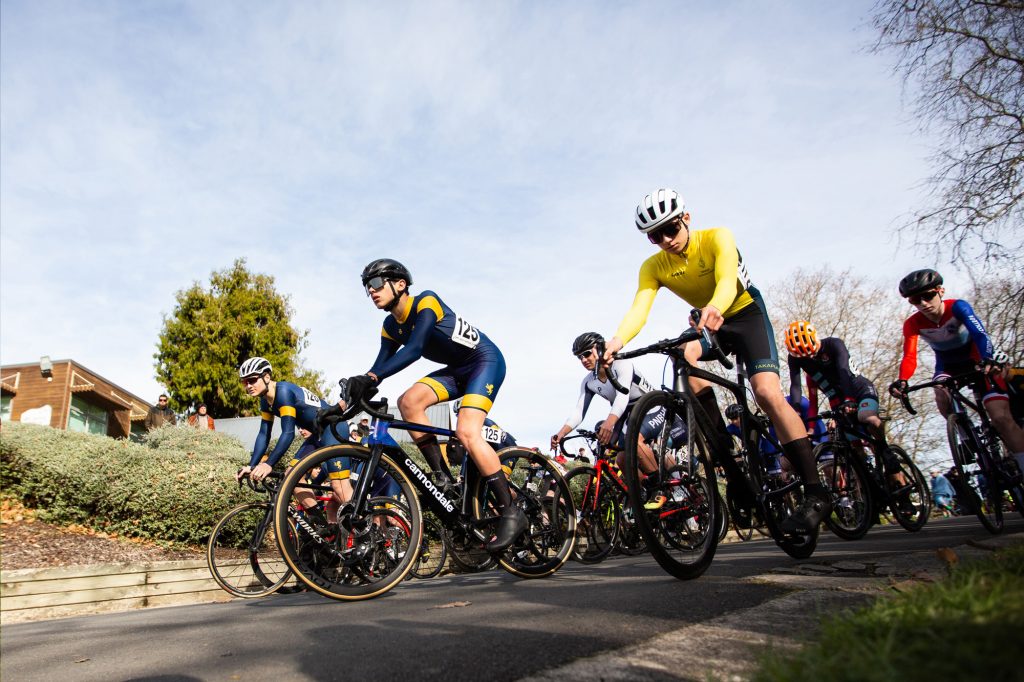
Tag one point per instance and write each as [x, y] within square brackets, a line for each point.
[5, 408]
[86, 417]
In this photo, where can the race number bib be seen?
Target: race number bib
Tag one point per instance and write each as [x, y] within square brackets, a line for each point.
[465, 334]
[310, 398]
[492, 434]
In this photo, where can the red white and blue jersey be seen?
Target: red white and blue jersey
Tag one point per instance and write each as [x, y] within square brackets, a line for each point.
[958, 338]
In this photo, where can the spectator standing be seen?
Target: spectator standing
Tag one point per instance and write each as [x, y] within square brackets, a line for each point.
[160, 414]
[942, 492]
[355, 434]
[201, 419]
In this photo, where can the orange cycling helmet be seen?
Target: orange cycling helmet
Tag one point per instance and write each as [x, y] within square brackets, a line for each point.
[802, 339]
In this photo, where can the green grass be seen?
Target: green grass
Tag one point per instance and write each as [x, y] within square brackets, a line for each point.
[967, 627]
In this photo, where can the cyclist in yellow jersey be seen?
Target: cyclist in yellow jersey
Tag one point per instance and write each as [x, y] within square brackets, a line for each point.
[705, 269]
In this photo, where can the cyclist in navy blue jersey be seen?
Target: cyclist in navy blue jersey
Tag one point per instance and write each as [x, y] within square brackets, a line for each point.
[423, 326]
[297, 407]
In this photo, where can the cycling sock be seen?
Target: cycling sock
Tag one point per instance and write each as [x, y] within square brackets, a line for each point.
[707, 400]
[431, 450]
[801, 455]
[502, 492]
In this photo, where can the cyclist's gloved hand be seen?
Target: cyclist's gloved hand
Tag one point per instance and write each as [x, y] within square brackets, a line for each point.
[992, 365]
[357, 388]
[898, 388]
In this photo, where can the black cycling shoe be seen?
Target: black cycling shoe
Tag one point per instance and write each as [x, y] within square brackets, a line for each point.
[511, 525]
[808, 516]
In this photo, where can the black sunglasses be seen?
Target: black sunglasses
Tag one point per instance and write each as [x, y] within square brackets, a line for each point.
[669, 230]
[374, 283]
[585, 354]
[926, 296]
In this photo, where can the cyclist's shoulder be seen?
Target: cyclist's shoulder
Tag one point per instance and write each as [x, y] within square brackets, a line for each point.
[713, 237]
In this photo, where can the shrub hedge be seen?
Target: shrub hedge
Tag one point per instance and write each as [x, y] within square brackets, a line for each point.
[170, 487]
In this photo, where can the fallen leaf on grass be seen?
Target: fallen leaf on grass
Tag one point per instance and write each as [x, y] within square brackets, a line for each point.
[453, 605]
[948, 556]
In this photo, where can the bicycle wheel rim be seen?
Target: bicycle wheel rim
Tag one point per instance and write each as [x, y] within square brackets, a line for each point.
[681, 534]
[356, 562]
[243, 555]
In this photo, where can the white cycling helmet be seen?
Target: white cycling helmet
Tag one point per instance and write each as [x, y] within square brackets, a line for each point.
[657, 208]
[254, 367]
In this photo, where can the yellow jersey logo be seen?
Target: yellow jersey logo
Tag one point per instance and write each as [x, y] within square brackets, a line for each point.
[490, 388]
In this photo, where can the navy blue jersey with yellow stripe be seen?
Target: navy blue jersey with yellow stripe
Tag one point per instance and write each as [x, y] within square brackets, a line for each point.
[426, 327]
[297, 407]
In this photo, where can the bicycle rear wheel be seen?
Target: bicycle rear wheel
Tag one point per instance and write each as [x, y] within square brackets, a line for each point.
[846, 478]
[370, 550]
[680, 534]
[243, 554]
[967, 459]
[540, 491]
[909, 498]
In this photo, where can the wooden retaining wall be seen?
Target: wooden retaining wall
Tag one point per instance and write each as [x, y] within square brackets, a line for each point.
[36, 594]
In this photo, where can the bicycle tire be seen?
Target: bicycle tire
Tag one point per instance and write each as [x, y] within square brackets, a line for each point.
[679, 535]
[967, 456]
[916, 492]
[433, 552]
[541, 493]
[467, 553]
[359, 560]
[243, 555]
[847, 480]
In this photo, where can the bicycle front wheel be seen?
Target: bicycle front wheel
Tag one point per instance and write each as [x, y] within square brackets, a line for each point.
[909, 496]
[970, 479]
[675, 506]
[846, 479]
[371, 548]
[243, 553]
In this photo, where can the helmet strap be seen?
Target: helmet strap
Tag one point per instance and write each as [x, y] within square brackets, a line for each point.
[396, 297]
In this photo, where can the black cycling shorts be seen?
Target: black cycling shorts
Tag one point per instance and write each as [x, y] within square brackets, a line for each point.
[749, 335]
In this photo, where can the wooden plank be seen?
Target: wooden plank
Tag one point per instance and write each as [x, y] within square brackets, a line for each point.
[95, 569]
[25, 587]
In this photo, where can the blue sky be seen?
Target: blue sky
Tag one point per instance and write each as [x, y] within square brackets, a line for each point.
[497, 149]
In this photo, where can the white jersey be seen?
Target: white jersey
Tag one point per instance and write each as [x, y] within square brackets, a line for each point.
[626, 375]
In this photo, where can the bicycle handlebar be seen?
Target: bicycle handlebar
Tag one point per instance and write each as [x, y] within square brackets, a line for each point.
[950, 382]
[580, 433]
[667, 346]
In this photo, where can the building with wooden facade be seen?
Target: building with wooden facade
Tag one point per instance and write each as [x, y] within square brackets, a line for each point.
[66, 395]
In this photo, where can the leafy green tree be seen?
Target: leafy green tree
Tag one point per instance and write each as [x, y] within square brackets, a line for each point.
[212, 330]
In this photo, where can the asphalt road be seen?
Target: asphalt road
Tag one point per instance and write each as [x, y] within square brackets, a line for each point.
[478, 627]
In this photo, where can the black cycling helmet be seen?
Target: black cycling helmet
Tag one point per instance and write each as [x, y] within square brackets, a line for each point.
[733, 411]
[585, 342]
[388, 269]
[919, 281]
